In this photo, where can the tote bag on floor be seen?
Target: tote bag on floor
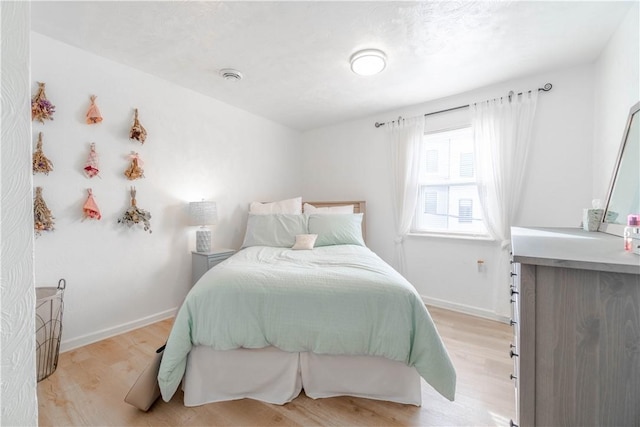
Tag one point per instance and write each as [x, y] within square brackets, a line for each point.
[145, 391]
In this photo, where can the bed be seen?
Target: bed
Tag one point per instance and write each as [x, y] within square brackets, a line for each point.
[331, 318]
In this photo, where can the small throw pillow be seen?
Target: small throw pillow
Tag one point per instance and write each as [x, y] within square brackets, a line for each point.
[305, 241]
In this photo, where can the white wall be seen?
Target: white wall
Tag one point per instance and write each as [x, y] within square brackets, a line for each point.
[617, 83]
[197, 147]
[18, 399]
[350, 161]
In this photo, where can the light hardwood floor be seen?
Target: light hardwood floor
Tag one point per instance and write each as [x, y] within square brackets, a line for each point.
[90, 383]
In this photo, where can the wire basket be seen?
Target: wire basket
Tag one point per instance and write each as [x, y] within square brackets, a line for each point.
[49, 308]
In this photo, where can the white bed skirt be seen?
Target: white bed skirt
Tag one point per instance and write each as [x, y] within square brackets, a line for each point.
[274, 376]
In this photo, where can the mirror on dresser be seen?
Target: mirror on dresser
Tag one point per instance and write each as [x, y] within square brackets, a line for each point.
[624, 191]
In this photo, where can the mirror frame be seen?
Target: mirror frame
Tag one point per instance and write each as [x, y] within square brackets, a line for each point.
[606, 227]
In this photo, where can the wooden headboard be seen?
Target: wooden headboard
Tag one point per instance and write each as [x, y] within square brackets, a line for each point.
[358, 207]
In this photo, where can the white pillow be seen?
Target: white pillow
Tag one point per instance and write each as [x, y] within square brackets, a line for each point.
[289, 206]
[305, 241]
[347, 209]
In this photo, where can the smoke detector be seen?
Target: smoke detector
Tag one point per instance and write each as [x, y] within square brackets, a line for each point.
[230, 74]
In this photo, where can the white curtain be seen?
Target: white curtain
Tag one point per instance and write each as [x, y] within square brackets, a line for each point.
[502, 132]
[406, 136]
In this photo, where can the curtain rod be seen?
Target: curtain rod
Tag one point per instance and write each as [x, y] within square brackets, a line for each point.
[546, 88]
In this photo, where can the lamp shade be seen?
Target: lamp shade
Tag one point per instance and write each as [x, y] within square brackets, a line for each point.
[203, 213]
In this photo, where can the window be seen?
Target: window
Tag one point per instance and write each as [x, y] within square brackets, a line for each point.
[431, 163]
[448, 193]
[465, 211]
[431, 202]
[466, 165]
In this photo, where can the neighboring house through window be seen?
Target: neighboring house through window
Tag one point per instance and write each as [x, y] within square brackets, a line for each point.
[448, 193]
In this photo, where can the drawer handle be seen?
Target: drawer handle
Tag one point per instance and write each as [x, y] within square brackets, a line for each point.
[513, 274]
[511, 354]
[511, 345]
[512, 322]
[513, 377]
[514, 292]
[513, 301]
[512, 424]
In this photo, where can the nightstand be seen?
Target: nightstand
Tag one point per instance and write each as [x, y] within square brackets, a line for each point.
[201, 262]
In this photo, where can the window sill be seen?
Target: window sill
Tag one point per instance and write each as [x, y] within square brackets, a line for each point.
[458, 236]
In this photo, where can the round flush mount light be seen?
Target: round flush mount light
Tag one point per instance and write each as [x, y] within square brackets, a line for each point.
[368, 62]
[230, 74]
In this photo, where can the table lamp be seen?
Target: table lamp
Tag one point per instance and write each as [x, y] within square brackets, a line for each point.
[203, 213]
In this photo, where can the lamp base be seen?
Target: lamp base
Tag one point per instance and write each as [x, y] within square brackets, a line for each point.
[203, 240]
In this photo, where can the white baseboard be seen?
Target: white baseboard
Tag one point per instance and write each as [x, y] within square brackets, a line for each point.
[465, 309]
[67, 345]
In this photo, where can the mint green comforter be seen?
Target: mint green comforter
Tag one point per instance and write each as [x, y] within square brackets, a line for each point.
[330, 300]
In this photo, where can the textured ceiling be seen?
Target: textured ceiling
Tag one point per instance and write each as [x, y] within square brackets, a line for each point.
[294, 55]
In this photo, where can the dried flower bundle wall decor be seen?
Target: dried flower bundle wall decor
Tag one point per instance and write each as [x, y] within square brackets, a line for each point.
[40, 162]
[93, 114]
[91, 167]
[90, 208]
[42, 217]
[138, 132]
[134, 171]
[41, 108]
[134, 215]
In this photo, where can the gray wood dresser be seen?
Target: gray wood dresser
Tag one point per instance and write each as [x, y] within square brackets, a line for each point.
[576, 316]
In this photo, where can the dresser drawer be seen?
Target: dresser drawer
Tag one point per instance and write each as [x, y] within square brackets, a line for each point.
[514, 347]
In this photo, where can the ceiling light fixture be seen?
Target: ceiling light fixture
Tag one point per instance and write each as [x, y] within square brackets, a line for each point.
[368, 62]
[230, 74]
